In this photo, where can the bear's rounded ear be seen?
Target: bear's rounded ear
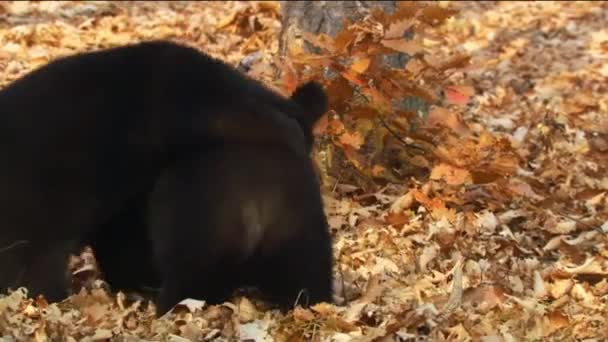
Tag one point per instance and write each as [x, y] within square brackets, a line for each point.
[311, 97]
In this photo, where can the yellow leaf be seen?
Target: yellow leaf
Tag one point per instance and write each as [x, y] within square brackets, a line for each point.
[360, 65]
[227, 20]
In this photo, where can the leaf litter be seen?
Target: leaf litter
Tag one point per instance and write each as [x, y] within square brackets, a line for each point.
[505, 240]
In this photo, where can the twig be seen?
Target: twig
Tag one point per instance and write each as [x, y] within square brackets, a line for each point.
[393, 133]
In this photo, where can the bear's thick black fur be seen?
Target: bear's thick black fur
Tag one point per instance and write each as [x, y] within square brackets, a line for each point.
[85, 134]
[123, 251]
[235, 215]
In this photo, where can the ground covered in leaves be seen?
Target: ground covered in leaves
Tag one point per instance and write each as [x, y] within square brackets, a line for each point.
[462, 255]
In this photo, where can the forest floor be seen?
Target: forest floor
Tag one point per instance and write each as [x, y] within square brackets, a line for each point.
[527, 260]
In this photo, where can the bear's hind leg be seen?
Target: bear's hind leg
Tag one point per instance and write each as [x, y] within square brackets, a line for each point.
[299, 273]
[213, 284]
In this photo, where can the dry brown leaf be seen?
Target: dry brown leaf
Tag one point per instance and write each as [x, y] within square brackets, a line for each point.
[396, 219]
[409, 47]
[560, 287]
[304, 315]
[555, 321]
[373, 290]
[324, 309]
[439, 116]
[321, 40]
[435, 15]
[396, 30]
[246, 311]
[523, 189]
[545, 80]
[450, 174]
[95, 312]
[428, 254]
[343, 41]
[486, 296]
[415, 66]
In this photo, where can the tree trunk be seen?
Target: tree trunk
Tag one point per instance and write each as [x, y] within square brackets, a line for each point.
[326, 17]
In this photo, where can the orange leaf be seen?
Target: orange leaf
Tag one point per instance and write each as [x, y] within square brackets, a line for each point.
[456, 62]
[432, 61]
[272, 7]
[343, 40]
[335, 126]
[390, 88]
[377, 99]
[360, 65]
[322, 41]
[378, 170]
[557, 320]
[406, 9]
[490, 295]
[415, 66]
[302, 315]
[435, 15]
[349, 75]
[439, 116]
[429, 203]
[451, 175]
[353, 157]
[397, 29]
[290, 78]
[354, 140]
[227, 20]
[396, 219]
[435, 205]
[459, 95]
[401, 45]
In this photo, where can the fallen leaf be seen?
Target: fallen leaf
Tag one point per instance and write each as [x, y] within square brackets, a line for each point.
[439, 116]
[401, 45]
[360, 65]
[397, 29]
[451, 175]
[459, 95]
[352, 139]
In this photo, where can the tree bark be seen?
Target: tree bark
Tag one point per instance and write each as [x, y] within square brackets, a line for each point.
[325, 17]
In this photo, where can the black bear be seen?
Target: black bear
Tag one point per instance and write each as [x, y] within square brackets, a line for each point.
[123, 251]
[85, 134]
[234, 215]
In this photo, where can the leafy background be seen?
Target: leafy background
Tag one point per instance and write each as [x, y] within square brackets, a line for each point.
[482, 216]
